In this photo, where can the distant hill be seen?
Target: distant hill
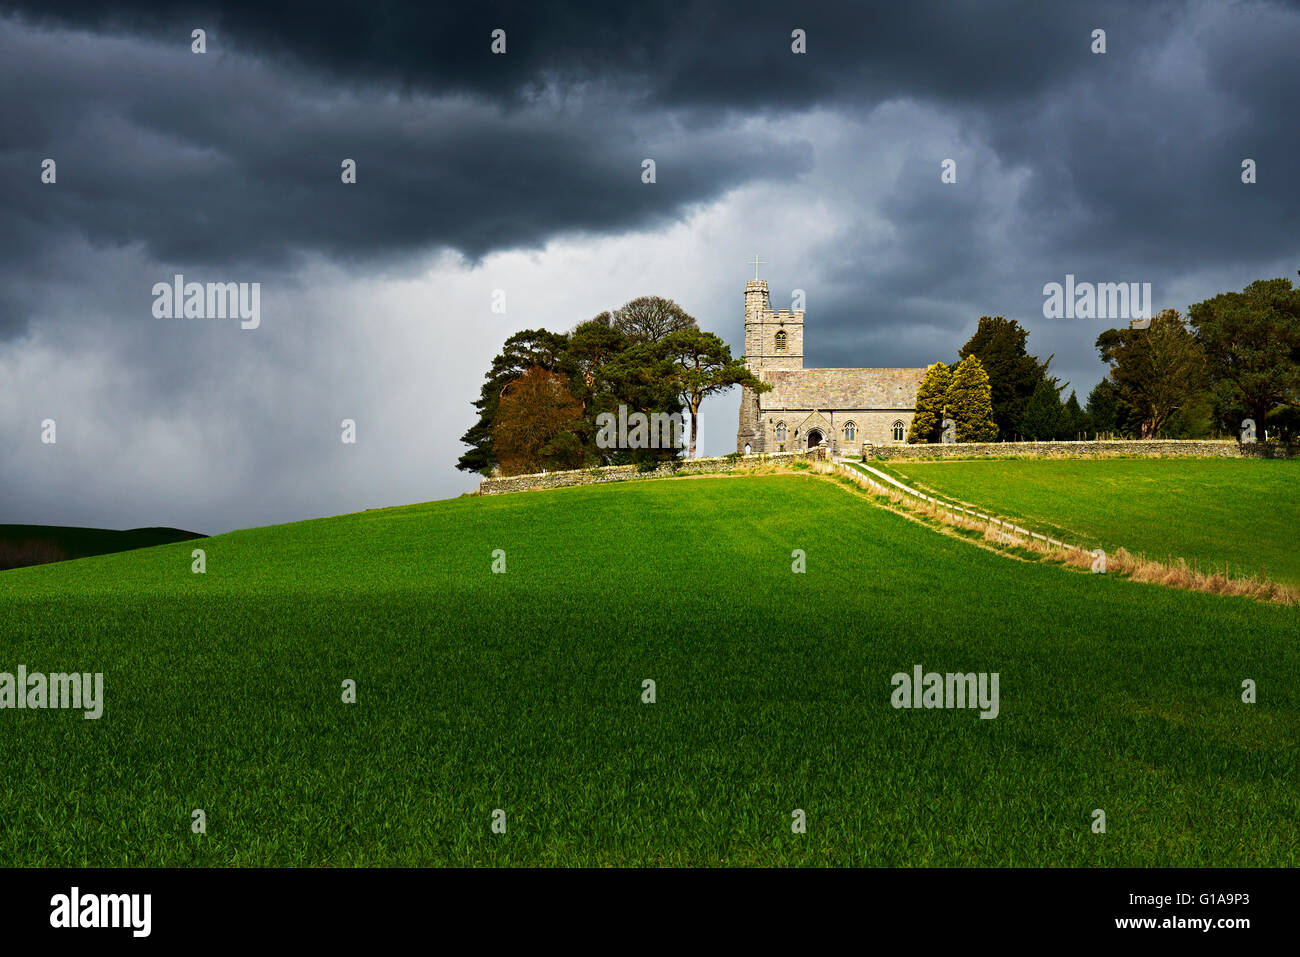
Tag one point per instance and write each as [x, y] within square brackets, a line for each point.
[22, 545]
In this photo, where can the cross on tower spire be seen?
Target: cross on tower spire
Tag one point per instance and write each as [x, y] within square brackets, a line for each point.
[756, 262]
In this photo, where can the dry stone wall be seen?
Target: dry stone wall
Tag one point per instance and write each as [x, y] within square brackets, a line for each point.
[1152, 448]
[738, 463]
[624, 473]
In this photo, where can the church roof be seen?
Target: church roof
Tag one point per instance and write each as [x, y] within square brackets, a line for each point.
[841, 388]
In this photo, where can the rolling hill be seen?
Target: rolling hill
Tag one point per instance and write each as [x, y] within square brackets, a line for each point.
[522, 691]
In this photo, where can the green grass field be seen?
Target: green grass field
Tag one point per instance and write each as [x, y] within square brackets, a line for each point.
[522, 691]
[1241, 512]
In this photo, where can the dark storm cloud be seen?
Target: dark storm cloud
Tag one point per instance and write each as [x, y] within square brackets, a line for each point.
[205, 164]
[1143, 161]
[1129, 170]
[733, 55]
[1131, 153]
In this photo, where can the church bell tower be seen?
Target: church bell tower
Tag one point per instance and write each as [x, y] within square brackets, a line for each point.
[773, 342]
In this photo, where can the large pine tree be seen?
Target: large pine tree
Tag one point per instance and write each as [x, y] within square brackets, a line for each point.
[1000, 345]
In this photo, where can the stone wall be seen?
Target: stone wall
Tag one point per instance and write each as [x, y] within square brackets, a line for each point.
[1152, 448]
[624, 473]
[1225, 448]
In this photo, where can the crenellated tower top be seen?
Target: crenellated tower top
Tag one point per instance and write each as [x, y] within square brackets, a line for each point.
[773, 338]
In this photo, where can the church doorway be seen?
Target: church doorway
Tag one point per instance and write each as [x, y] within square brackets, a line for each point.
[815, 438]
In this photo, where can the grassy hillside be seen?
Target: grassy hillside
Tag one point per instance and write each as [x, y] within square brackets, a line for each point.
[23, 545]
[1244, 512]
[522, 691]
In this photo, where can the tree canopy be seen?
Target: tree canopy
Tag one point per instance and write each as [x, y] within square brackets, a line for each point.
[700, 365]
[521, 352]
[1044, 417]
[648, 355]
[651, 318]
[1000, 344]
[970, 402]
[1251, 341]
[931, 396]
[532, 427]
[1156, 371]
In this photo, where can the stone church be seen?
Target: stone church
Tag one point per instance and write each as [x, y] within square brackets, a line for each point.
[845, 408]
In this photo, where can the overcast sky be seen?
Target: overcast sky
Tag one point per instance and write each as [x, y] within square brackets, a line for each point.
[522, 172]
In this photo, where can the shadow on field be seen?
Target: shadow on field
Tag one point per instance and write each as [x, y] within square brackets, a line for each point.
[24, 545]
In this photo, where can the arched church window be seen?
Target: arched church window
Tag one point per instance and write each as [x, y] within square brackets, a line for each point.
[780, 431]
[900, 431]
[781, 341]
[850, 432]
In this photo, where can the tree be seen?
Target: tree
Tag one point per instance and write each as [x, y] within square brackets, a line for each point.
[651, 319]
[1044, 417]
[1075, 420]
[603, 367]
[699, 364]
[970, 402]
[931, 396]
[1251, 341]
[521, 352]
[1156, 370]
[592, 345]
[531, 428]
[643, 379]
[1103, 409]
[1194, 420]
[1000, 345]
[1284, 423]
